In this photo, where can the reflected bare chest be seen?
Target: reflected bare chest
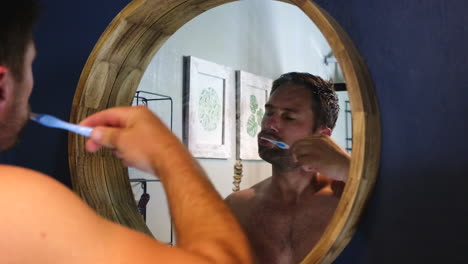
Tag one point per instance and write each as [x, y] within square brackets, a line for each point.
[285, 233]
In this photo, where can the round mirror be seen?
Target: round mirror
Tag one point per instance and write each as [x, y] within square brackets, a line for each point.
[252, 48]
[246, 44]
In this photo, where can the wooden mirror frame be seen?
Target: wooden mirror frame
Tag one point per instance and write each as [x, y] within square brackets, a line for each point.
[112, 74]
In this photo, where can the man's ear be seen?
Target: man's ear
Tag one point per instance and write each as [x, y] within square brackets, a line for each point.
[325, 131]
[5, 86]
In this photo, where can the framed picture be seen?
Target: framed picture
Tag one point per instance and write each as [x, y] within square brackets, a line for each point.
[208, 118]
[252, 92]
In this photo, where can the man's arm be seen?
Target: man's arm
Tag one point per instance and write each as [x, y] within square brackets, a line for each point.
[204, 225]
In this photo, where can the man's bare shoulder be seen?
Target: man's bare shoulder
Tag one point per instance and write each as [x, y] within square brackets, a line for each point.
[330, 187]
[13, 175]
[247, 195]
[31, 184]
[27, 186]
[40, 213]
[32, 189]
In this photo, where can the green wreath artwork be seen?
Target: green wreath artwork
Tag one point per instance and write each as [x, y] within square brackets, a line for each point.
[209, 107]
[255, 119]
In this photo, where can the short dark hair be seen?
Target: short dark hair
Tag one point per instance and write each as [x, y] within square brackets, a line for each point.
[324, 99]
[16, 25]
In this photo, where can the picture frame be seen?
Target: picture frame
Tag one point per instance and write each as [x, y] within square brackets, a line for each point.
[207, 116]
[252, 92]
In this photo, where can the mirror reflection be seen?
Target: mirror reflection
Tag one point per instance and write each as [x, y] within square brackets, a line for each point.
[254, 43]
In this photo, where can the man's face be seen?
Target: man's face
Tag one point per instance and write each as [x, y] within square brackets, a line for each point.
[288, 118]
[17, 110]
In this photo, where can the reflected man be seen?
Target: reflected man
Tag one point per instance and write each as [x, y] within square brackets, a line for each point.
[285, 215]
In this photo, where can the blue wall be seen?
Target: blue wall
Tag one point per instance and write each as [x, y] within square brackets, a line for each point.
[416, 53]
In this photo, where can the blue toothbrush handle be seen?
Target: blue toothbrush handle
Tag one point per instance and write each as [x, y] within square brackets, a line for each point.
[81, 130]
[277, 143]
[51, 121]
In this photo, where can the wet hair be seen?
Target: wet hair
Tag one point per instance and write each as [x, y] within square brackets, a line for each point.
[16, 25]
[324, 99]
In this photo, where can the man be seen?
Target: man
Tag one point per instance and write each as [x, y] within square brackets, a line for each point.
[285, 215]
[44, 222]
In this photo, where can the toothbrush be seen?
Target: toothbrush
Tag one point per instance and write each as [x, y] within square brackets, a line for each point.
[51, 121]
[277, 143]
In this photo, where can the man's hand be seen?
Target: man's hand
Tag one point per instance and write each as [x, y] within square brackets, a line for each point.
[134, 134]
[322, 154]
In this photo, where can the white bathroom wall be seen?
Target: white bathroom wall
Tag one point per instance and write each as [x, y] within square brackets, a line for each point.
[263, 37]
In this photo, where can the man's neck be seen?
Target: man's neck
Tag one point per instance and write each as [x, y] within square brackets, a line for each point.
[291, 185]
